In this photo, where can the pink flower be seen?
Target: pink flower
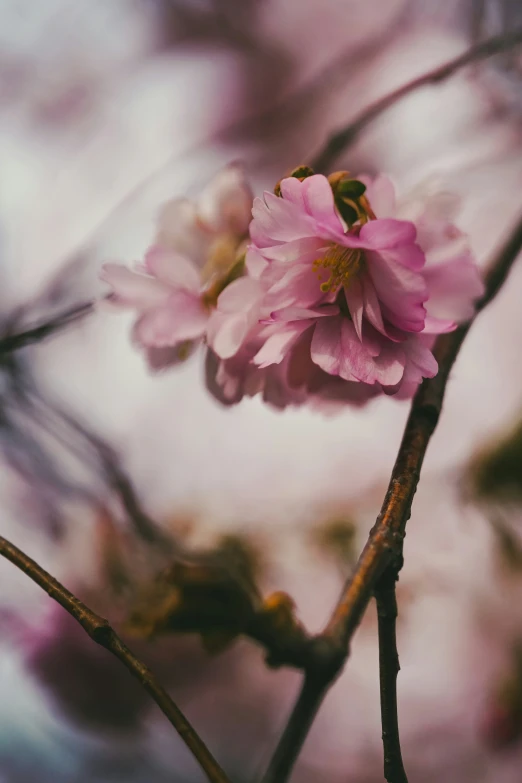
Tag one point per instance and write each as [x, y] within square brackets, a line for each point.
[295, 381]
[453, 278]
[186, 289]
[359, 294]
[451, 273]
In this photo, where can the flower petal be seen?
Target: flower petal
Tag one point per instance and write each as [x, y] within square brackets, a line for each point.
[356, 361]
[372, 308]
[386, 233]
[278, 344]
[226, 203]
[226, 333]
[181, 318]
[410, 256]
[389, 365]
[299, 285]
[180, 230]
[300, 251]
[401, 291]
[319, 201]
[354, 298]
[292, 190]
[240, 296]
[131, 289]
[454, 286]
[254, 262]
[438, 325]
[172, 269]
[276, 220]
[380, 192]
[298, 313]
[162, 358]
[327, 350]
[420, 361]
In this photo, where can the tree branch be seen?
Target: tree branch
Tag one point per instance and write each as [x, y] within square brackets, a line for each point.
[120, 483]
[384, 546]
[345, 137]
[388, 670]
[301, 719]
[101, 632]
[12, 342]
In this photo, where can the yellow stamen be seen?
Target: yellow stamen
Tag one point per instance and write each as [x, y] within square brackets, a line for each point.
[342, 262]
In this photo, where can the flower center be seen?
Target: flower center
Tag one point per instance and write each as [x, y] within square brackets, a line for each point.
[223, 277]
[343, 263]
[221, 256]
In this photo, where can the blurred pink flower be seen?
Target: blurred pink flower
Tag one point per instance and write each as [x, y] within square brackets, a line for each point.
[186, 289]
[360, 295]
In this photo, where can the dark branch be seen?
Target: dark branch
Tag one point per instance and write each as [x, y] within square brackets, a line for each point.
[101, 632]
[285, 644]
[388, 670]
[121, 484]
[12, 342]
[384, 546]
[323, 665]
[295, 733]
[340, 141]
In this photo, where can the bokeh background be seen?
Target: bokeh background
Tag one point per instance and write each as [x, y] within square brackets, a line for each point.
[108, 108]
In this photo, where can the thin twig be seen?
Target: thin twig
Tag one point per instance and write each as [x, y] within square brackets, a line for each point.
[388, 670]
[122, 485]
[101, 632]
[295, 733]
[12, 342]
[344, 138]
[384, 545]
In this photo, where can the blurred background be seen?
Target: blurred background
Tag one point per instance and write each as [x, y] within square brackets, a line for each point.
[109, 108]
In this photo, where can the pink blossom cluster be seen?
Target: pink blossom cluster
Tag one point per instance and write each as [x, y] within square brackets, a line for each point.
[186, 289]
[325, 293]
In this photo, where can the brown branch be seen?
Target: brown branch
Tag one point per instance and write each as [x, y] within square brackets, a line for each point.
[291, 742]
[212, 593]
[388, 670]
[101, 632]
[12, 342]
[285, 644]
[384, 546]
[344, 138]
[323, 664]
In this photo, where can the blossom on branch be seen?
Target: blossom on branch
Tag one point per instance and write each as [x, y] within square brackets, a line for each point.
[338, 297]
[355, 292]
[178, 292]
